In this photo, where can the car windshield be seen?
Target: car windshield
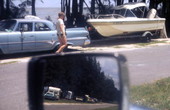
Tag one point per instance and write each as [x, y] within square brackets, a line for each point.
[7, 25]
[49, 94]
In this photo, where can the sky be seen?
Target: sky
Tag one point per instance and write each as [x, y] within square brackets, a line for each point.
[48, 3]
[45, 3]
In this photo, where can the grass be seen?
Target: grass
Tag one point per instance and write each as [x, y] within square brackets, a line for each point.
[118, 46]
[139, 45]
[8, 62]
[60, 101]
[155, 95]
[150, 43]
[78, 102]
[66, 101]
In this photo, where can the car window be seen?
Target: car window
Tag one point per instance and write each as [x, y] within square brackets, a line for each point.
[26, 27]
[7, 25]
[41, 27]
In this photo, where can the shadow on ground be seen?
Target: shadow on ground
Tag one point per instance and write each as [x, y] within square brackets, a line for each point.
[32, 54]
[112, 42]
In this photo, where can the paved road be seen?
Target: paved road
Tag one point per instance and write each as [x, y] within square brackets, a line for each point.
[145, 65]
[148, 64]
[13, 88]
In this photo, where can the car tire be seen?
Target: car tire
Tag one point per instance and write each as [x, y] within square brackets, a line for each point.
[55, 48]
[1, 53]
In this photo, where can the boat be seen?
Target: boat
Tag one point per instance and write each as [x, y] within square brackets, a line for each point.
[127, 19]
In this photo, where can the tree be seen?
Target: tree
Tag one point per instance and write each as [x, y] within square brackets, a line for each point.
[120, 2]
[33, 8]
[81, 7]
[2, 10]
[7, 9]
[81, 75]
[92, 7]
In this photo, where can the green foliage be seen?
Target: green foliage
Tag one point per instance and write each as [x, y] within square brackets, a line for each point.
[151, 43]
[8, 62]
[155, 95]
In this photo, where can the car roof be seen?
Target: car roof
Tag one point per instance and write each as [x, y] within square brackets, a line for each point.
[32, 20]
[49, 23]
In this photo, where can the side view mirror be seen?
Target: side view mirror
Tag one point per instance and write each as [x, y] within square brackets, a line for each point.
[78, 81]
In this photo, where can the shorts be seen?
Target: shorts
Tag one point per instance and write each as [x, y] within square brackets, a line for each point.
[60, 35]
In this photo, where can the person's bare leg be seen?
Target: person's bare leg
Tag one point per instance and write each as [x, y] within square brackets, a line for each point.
[60, 40]
[63, 43]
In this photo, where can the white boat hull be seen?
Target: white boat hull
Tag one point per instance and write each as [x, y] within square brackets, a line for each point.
[111, 27]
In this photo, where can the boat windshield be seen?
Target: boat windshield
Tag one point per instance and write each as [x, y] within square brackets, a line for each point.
[139, 12]
[129, 14]
[120, 12]
[7, 25]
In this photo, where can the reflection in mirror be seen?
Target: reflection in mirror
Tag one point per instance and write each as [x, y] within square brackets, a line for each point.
[86, 82]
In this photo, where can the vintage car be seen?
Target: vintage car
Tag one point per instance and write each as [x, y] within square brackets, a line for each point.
[50, 96]
[30, 35]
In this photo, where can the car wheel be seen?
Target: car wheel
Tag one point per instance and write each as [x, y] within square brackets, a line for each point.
[1, 53]
[66, 49]
[56, 48]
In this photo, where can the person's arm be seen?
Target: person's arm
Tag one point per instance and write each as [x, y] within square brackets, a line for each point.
[62, 28]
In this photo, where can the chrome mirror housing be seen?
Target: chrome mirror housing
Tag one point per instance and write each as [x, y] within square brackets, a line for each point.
[78, 81]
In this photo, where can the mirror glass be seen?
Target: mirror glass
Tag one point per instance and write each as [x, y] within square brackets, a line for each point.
[85, 82]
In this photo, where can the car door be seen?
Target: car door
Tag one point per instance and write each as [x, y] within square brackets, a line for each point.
[27, 36]
[45, 37]
[14, 41]
[9, 39]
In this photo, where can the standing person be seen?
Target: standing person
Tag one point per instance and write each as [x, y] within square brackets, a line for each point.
[61, 33]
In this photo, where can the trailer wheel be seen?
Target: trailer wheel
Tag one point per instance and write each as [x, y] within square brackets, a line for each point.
[146, 37]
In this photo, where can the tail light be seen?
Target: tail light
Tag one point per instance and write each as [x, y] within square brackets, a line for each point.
[90, 28]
